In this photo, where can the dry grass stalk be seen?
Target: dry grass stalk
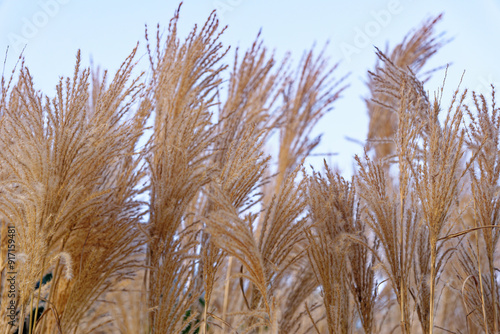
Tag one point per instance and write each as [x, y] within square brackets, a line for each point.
[331, 272]
[412, 53]
[307, 96]
[71, 172]
[335, 213]
[391, 211]
[185, 76]
[238, 157]
[394, 226]
[437, 183]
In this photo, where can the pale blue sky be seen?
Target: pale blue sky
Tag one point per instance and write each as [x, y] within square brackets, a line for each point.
[107, 30]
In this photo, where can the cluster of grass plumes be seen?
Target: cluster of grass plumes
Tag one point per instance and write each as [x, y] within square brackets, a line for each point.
[201, 230]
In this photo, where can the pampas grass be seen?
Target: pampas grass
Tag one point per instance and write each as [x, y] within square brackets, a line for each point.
[206, 229]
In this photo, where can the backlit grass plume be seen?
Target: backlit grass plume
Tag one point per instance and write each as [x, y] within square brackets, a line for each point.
[181, 199]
